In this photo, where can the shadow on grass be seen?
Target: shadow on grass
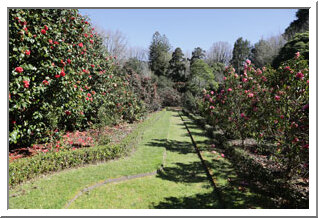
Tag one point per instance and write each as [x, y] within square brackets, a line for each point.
[198, 201]
[173, 146]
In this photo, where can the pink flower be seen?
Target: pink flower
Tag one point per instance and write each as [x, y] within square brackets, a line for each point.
[248, 61]
[224, 78]
[242, 115]
[297, 54]
[300, 75]
[277, 98]
[282, 116]
[80, 45]
[45, 82]
[250, 95]
[214, 152]
[222, 155]
[212, 92]
[244, 80]
[212, 107]
[43, 31]
[229, 90]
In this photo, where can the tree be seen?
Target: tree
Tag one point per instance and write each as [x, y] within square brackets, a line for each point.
[219, 52]
[241, 52]
[264, 51]
[300, 43]
[177, 66]
[300, 25]
[115, 43]
[159, 54]
[201, 77]
[198, 53]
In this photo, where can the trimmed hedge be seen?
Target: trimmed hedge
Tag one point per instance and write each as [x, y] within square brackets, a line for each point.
[24, 169]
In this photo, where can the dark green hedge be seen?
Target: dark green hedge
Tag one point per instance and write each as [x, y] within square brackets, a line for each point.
[27, 168]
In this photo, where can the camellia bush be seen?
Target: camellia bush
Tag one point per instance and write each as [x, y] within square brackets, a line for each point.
[60, 74]
[269, 105]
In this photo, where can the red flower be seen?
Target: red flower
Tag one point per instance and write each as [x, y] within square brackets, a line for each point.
[91, 41]
[45, 82]
[14, 122]
[26, 84]
[80, 45]
[69, 61]
[57, 76]
[45, 27]
[56, 43]
[67, 112]
[89, 95]
[62, 73]
[85, 34]
[93, 92]
[27, 52]
[92, 65]
[72, 18]
[87, 98]
[19, 69]
[50, 41]
[43, 31]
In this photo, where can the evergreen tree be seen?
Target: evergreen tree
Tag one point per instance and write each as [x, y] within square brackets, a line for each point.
[198, 53]
[159, 54]
[241, 52]
[300, 25]
[177, 66]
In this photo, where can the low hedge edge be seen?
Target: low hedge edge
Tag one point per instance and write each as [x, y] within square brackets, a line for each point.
[25, 169]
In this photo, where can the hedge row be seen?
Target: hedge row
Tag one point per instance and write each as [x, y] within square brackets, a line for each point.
[252, 169]
[27, 168]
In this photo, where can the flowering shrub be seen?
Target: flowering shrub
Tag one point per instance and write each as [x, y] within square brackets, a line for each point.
[268, 105]
[59, 75]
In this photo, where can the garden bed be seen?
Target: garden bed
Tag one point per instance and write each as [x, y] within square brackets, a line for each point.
[263, 173]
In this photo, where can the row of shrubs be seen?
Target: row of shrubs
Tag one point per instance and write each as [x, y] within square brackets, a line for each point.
[271, 106]
[250, 168]
[27, 168]
[60, 75]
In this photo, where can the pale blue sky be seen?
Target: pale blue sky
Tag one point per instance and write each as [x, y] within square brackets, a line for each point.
[190, 28]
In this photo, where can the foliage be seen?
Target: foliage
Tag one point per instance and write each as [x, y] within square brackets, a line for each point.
[300, 25]
[169, 95]
[269, 105]
[24, 169]
[198, 53]
[59, 75]
[241, 51]
[300, 43]
[159, 54]
[177, 66]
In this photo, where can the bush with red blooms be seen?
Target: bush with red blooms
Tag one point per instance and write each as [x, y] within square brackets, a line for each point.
[268, 105]
[58, 78]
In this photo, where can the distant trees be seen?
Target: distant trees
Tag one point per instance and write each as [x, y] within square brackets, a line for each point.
[219, 52]
[177, 66]
[300, 43]
[264, 51]
[115, 43]
[159, 54]
[300, 25]
[241, 52]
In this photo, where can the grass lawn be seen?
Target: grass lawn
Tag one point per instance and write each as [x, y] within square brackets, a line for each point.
[183, 183]
[54, 191]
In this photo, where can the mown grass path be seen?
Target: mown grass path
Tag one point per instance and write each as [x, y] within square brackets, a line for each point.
[183, 183]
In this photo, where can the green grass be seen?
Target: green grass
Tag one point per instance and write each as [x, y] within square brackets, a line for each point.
[183, 184]
[233, 188]
[54, 191]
